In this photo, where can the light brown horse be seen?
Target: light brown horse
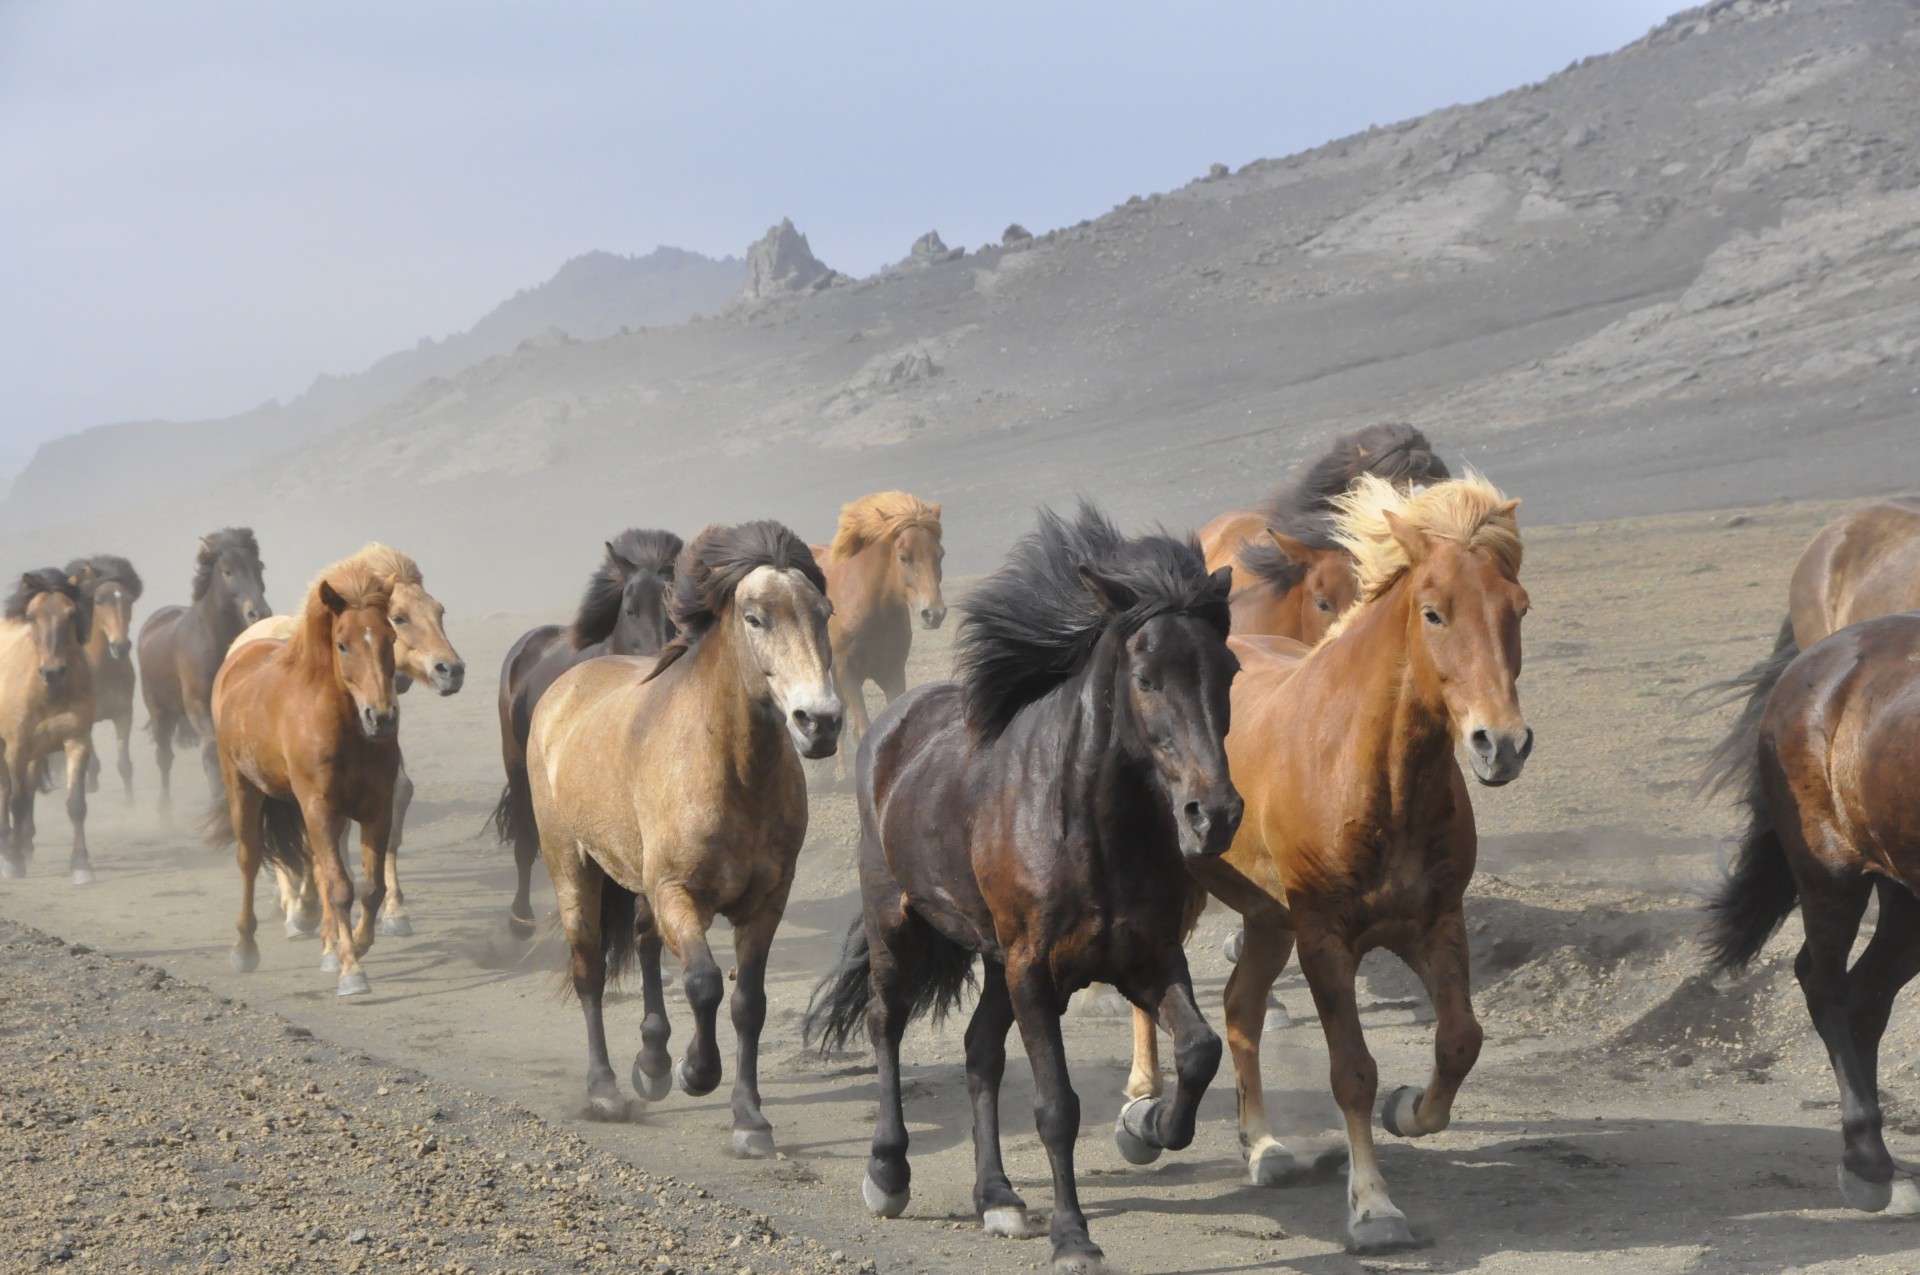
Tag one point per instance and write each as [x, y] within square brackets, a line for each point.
[46, 707]
[307, 733]
[423, 653]
[668, 790]
[883, 576]
[114, 586]
[1358, 830]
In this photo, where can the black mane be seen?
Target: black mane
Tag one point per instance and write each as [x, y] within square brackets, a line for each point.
[1261, 562]
[51, 580]
[629, 553]
[712, 567]
[1394, 450]
[109, 568]
[226, 540]
[1034, 623]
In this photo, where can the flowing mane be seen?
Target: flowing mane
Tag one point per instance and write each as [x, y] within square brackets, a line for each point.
[1034, 623]
[359, 585]
[108, 568]
[712, 567]
[1303, 506]
[880, 516]
[631, 552]
[51, 580]
[390, 564]
[1469, 511]
[226, 540]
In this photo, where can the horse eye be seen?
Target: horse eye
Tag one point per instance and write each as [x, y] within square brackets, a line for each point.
[399, 620]
[1143, 682]
[905, 558]
[342, 646]
[1324, 605]
[1433, 616]
[753, 621]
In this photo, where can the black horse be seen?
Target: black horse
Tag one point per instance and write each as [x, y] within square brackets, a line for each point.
[624, 612]
[1037, 813]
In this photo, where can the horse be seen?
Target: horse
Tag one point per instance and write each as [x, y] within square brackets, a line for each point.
[1863, 564]
[46, 706]
[423, 653]
[180, 648]
[1295, 578]
[306, 730]
[883, 573]
[1036, 814]
[113, 586]
[668, 790]
[624, 612]
[1359, 831]
[1833, 819]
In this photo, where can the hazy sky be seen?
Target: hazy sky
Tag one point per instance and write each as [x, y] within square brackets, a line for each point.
[202, 205]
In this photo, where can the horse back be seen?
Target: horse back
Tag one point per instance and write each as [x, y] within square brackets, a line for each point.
[1863, 564]
[1220, 540]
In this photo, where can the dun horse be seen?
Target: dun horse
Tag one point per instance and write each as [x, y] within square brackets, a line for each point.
[307, 736]
[46, 707]
[1037, 814]
[180, 648]
[624, 612]
[883, 575]
[1834, 820]
[1359, 831]
[113, 586]
[422, 653]
[669, 790]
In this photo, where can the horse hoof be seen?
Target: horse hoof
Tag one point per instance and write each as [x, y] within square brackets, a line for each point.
[83, 876]
[12, 869]
[520, 927]
[245, 960]
[752, 1144]
[354, 984]
[883, 1203]
[1014, 1223]
[1382, 1231]
[1400, 1113]
[329, 963]
[1234, 944]
[685, 1084]
[609, 1108]
[1271, 1164]
[1906, 1199]
[297, 929]
[1867, 1197]
[1134, 1147]
[396, 927]
[1080, 1263]
[652, 1088]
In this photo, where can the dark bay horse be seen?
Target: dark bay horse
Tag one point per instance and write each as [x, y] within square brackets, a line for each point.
[624, 612]
[114, 587]
[1038, 814]
[1833, 821]
[668, 791]
[46, 707]
[180, 648]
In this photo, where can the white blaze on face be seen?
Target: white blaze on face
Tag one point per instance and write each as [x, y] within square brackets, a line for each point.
[784, 620]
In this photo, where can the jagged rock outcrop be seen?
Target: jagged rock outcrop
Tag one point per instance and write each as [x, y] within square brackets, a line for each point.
[782, 263]
[1015, 233]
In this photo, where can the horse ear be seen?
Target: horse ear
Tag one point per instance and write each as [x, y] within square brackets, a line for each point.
[1108, 592]
[936, 511]
[1414, 542]
[1506, 508]
[331, 599]
[1222, 581]
[1296, 551]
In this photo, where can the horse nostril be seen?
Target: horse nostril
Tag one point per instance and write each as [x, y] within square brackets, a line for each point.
[1197, 818]
[1526, 744]
[1481, 742]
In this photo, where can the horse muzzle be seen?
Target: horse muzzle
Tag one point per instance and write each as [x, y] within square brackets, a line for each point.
[1497, 757]
[55, 675]
[1207, 828]
[120, 650]
[449, 676]
[380, 725]
[932, 617]
[816, 731]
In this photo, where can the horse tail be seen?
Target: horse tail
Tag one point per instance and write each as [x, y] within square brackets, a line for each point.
[935, 971]
[1732, 763]
[512, 819]
[1755, 895]
[283, 835]
[619, 944]
[216, 827]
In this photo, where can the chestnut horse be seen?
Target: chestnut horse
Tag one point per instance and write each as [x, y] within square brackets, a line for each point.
[883, 575]
[669, 790]
[1359, 832]
[113, 586]
[306, 730]
[1833, 821]
[1294, 578]
[1037, 814]
[46, 706]
[1862, 564]
[180, 648]
[624, 612]
[422, 652]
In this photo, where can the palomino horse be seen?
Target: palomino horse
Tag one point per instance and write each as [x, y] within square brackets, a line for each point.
[1359, 831]
[1037, 813]
[180, 648]
[1862, 564]
[307, 733]
[669, 790]
[1834, 820]
[1295, 579]
[883, 574]
[421, 653]
[113, 586]
[46, 706]
[624, 612]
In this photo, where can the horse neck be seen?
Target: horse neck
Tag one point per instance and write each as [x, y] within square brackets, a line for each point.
[214, 615]
[96, 643]
[308, 651]
[750, 728]
[877, 584]
[1098, 761]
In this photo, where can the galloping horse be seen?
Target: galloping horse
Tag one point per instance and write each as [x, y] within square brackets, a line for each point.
[624, 612]
[1295, 579]
[306, 730]
[422, 652]
[1359, 832]
[46, 706]
[669, 790]
[883, 573]
[113, 586]
[1037, 813]
[1834, 820]
[180, 648]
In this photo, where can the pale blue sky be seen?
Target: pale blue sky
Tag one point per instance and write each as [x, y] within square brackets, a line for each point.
[202, 205]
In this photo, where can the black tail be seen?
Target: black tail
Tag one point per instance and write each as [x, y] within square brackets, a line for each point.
[1730, 766]
[1758, 892]
[512, 820]
[618, 942]
[283, 832]
[937, 972]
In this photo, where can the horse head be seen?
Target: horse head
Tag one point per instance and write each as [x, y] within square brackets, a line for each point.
[917, 555]
[643, 626]
[780, 618]
[363, 642]
[422, 652]
[55, 606]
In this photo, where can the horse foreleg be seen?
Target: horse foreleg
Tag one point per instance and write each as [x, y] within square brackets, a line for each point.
[244, 808]
[79, 753]
[123, 735]
[163, 728]
[1148, 1126]
[851, 687]
[518, 803]
[93, 765]
[202, 725]
[890, 932]
[577, 886]
[375, 838]
[683, 923]
[394, 921]
[12, 863]
[652, 1073]
[1441, 963]
[336, 897]
[998, 1206]
[24, 786]
[1056, 1107]
[1143, 1081]
[752, 940]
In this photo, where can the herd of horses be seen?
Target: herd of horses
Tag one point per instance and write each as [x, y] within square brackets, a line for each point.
[1272, 714]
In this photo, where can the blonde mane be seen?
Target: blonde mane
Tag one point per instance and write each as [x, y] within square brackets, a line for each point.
[395, 567]
[359, 585]
[880, 516]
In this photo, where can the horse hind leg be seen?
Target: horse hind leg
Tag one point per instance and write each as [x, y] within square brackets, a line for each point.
[244, 807]
[999, 1207]
[12, 864]
[79, 754]
[652, 1073]
[888, 1185]
[163, 727]
[1056, 1108]
[394, 919]
[1441, 963]
[1265, 948]
[123, 735]
[1891, 961]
